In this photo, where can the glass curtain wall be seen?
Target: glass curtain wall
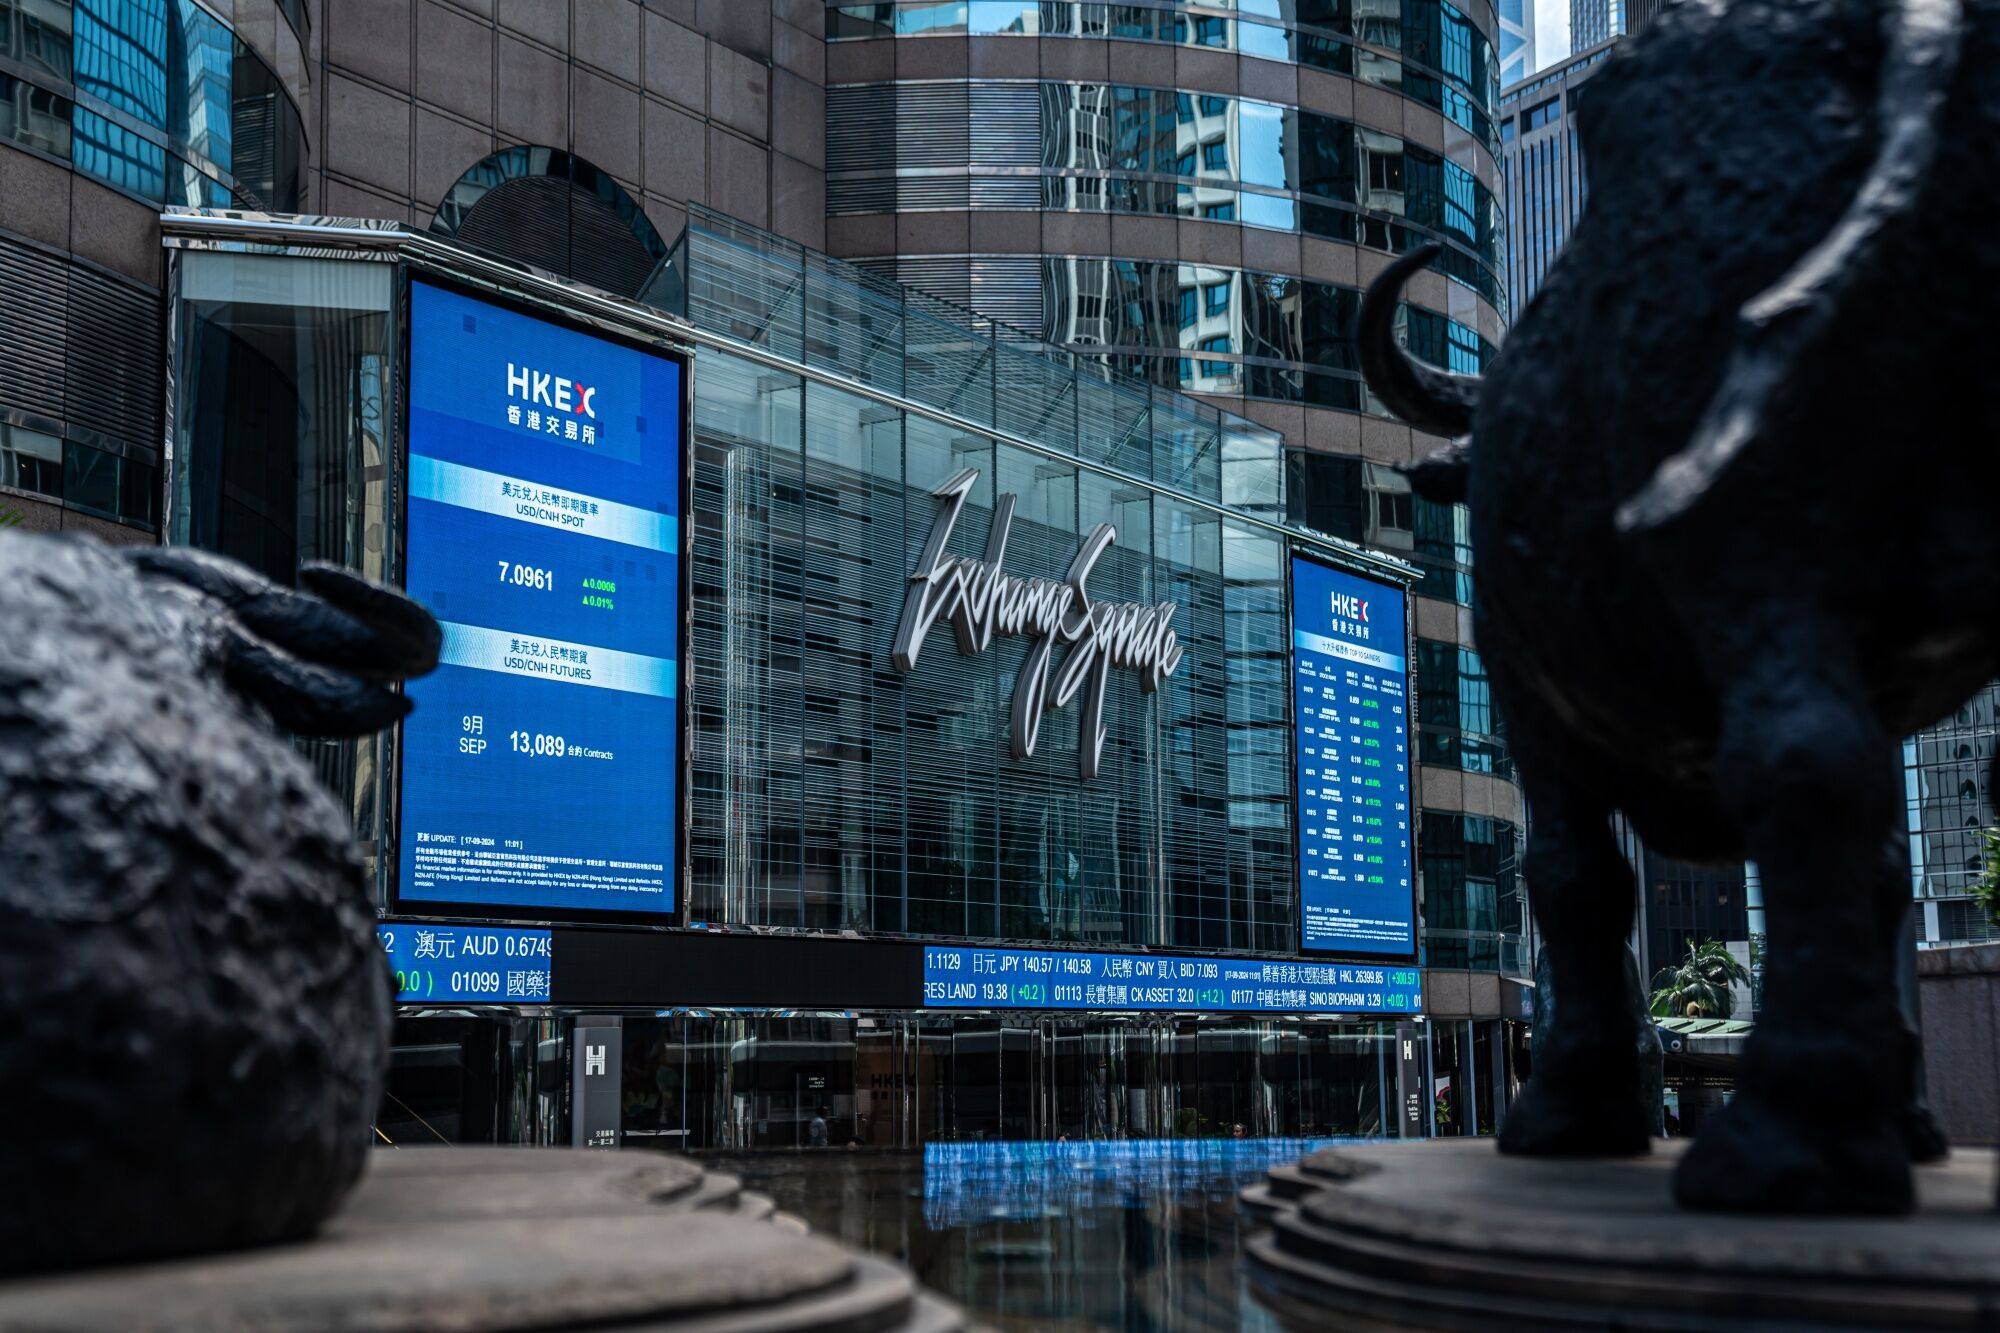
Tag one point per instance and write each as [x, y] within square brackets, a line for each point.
[465, 1077]
[158, 98]
[1221, 331]
[1123, 149]
[1949, 800]
[297, 466]
[833, 793]
[698, 1080]
[1446, 62]
[812, 505]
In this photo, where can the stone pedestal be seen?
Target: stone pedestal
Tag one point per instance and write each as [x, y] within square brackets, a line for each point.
[473, 1239]
[1452, 1235]
[1959, 990]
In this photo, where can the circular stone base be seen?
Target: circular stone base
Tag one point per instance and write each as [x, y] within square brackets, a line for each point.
[1452, 1235]
[473, 1239]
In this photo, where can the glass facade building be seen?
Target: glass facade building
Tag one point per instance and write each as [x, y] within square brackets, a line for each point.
[1592, 22]
[142, 104]
[1541, 169]
[888, 806]
[1948, 788]
[1196, 195]
[1199, 328]
[1155, 221]
[1430, 51]
[844, 817]
[1517, 40]
[158, 99]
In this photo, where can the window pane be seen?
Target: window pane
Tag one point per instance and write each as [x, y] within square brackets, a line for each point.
[119, 157]
[90, 478]
[139, 494]
[34, 117]
[37, 35]
[30, 461]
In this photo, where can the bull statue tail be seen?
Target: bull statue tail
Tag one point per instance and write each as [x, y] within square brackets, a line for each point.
[1780, 327]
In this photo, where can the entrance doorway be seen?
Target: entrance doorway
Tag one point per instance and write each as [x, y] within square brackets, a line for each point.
[695, 1080]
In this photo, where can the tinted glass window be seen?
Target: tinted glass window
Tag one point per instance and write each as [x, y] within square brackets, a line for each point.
[30, 461]
[175, 103]
[91, 478]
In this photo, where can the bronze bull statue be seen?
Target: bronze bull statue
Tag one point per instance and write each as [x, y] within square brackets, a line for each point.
[1733, 484]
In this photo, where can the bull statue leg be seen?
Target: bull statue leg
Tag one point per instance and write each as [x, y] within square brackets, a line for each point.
[1813, 779]
[1587, 1094]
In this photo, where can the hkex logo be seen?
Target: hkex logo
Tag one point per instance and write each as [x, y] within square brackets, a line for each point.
[1346, 606]
[550, 391]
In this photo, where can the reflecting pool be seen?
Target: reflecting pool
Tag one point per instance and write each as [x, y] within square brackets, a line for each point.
[1135, 1234]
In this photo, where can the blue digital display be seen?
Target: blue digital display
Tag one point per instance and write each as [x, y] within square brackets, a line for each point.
[981, 1183]
[540, 764]
[1350, 709]
[468, 964]
[961, 977]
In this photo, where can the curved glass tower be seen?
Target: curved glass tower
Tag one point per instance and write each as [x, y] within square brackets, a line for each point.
[111, 110]
[1198, 194]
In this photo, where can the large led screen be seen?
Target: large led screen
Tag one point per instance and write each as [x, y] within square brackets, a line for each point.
[540, 765]
[1350, 708]
[969, 977]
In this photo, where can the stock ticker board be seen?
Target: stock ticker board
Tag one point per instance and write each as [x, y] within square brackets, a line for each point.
[439, 964]
[965, 977]
[540, 766]
[1350, 707]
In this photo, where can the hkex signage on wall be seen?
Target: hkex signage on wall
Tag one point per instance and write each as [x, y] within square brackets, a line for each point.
[1351, 763]
[540, 766]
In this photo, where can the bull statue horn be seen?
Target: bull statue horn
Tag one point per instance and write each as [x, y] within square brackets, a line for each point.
[1438, 401]
[1778, 328]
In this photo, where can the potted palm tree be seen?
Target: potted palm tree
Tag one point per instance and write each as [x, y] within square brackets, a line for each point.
[1699, 986]
[1986, 891]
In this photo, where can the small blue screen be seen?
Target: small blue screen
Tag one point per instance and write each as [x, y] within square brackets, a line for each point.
[959, 977]
[468, 964]
[1350, 707]
[539, 766]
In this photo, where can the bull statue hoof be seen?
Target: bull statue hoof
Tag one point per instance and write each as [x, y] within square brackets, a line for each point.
[1550, 1120]
[1756, 1157]
[195, 1004]
[1588, 1100]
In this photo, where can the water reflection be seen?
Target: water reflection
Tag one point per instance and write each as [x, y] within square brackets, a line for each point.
[1136, 1234]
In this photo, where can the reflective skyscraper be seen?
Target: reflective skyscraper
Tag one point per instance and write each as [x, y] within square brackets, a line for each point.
[1594, 21]
[1948, 787]
[1541, 169]
[1517, 40]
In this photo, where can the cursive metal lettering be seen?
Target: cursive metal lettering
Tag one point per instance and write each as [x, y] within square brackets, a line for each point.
[982, 600]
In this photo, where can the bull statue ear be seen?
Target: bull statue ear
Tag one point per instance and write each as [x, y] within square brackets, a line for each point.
[320, 660]
[1781, 328]
[1444, 475]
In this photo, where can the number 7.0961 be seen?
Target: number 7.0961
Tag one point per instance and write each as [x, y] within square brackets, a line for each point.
[526, 576]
